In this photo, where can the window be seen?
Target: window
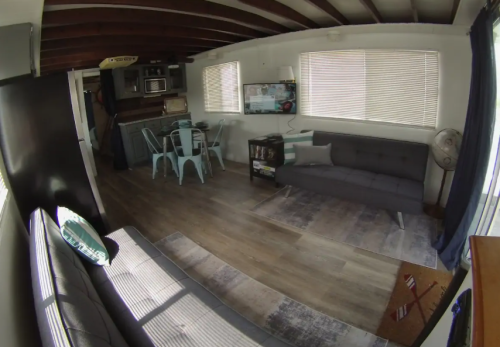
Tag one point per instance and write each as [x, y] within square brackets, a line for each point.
[221, 87]
[388, 86]
[3, 192]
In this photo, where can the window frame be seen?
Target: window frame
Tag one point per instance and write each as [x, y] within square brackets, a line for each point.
[368, 121]
[238, 84]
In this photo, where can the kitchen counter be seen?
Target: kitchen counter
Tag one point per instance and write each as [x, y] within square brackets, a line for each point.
[135, 120]
[134, 143]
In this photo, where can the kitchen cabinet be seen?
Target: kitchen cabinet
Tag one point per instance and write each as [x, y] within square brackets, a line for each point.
[134, 143]
[130, 81]
[139, 147]
[177, 78]
[155, 126]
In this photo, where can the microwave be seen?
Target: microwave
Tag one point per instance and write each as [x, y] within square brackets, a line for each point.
[155, 85]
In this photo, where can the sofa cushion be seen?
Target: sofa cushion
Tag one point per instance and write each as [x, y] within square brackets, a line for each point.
[82, 237]
[69, 310]
[312, 155]
[301, 139]
[155, 303]
[366, 187]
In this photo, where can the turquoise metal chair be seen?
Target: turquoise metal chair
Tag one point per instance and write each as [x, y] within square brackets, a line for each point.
[214, 146]
[187, 151]
[157, 151]
[183, 123]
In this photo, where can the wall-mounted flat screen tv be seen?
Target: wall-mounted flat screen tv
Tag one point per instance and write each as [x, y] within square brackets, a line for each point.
[270, 98]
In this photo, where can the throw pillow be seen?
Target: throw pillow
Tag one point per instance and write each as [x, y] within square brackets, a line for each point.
[82, 237]
[302, 139]
[313, 155]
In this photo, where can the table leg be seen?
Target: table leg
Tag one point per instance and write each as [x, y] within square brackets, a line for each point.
[164, 156]
[207, 154]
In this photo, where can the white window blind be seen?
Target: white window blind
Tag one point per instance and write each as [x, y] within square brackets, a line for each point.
[221, 88]
[389, 86]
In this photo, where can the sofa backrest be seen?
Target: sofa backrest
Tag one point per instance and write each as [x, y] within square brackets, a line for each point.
[68, 309]
[391, 157]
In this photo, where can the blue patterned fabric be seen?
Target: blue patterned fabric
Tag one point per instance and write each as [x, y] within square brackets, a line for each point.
[82, 237]
[302, 139]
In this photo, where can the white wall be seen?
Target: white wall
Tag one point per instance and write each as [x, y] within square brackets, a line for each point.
[24, 11]
[260, 59]
[18, 326]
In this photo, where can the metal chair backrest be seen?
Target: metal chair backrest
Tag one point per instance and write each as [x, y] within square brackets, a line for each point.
[218, 138]
[177, 122]
[151, 140]
[186, 138]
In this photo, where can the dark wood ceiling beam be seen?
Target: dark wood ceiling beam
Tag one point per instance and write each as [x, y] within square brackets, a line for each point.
[128, 15]
[117, 50]
[454, 10]
[85, 42]
[145, 58]
[106, 29]
[201, 7]
[329, 9]
[85, 64]
[98, 57]
[414, 10]
[68, 67]
[370, 6]
[277, 8]
[47, 63]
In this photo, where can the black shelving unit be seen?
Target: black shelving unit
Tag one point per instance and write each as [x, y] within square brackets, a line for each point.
[266, 154]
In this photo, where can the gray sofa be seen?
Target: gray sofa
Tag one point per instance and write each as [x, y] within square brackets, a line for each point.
[384, 173]
[142, 299]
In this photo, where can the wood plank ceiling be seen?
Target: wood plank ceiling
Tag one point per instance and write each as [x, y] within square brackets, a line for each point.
[81, 33]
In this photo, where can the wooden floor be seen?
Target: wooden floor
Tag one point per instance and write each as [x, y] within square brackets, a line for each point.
[346, 283]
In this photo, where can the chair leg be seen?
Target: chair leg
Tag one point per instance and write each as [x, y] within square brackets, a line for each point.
[288, 191]
[198, 164]
[155, 164]
[219, 155]
[401, 222]
[173, 160]
[181, 170]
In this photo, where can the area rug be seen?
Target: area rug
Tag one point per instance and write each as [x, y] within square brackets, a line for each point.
[358, 225]
[417, 293]
[283, 317]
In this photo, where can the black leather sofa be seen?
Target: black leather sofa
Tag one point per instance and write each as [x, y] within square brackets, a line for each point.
[385, 173]
[143, 299]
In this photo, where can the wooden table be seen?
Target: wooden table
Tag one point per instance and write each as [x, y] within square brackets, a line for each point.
[165, 134]
[485, 252]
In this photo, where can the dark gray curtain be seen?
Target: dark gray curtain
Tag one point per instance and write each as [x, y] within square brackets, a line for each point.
[109, 100]
[472, 163]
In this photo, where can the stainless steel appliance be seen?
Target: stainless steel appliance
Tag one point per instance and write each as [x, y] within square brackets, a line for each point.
[46, 158]
[155, 85]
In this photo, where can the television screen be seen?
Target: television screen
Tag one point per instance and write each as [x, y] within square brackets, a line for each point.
[270, 98]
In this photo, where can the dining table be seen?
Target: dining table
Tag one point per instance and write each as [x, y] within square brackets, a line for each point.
[165, 133]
